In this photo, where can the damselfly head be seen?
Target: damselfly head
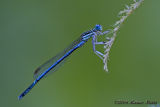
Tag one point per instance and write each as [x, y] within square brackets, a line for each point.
[98, 28]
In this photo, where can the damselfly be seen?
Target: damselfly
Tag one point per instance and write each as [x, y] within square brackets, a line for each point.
[52, 64]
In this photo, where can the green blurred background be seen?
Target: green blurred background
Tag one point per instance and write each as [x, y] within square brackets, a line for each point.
[32, 31]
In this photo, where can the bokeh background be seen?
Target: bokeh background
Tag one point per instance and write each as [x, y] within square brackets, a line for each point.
[32, 31]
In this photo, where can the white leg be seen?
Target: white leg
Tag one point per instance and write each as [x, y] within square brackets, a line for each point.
[103, 33]
[100, 43]
[94, 41]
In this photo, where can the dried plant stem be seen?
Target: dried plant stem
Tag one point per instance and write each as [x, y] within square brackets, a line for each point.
[123, 16]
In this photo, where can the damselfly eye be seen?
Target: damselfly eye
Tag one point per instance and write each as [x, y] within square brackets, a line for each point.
[98, 28]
